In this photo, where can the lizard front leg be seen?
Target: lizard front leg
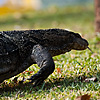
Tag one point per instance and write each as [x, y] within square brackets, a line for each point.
[44, 60]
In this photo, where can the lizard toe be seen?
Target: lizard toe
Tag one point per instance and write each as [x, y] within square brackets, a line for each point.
[36, 79]
[38, 82]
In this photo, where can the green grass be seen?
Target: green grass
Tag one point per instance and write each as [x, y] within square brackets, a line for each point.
[66, 85]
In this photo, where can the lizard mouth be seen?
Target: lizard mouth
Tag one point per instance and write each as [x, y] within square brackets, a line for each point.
[80, 44]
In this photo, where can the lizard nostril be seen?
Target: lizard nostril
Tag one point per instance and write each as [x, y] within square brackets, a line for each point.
[86, 42]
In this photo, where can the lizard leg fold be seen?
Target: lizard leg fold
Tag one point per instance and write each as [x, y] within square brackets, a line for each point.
[44, 60]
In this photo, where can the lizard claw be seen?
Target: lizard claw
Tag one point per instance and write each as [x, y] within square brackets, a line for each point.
[36, 79]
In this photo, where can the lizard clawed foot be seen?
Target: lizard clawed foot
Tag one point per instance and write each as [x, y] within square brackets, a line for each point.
[36, 79]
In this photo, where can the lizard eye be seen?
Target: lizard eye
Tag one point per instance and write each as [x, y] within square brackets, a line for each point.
[78, 35]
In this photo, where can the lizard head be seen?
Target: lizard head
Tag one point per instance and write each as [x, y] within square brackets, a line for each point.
[79, 43]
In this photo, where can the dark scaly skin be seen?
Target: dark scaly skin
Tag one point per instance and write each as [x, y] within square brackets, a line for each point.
[21, 49]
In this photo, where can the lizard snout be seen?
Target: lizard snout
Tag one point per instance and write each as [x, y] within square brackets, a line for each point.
[80, 44]
[85, 44]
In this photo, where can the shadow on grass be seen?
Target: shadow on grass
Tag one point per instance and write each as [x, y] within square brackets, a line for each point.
[60, 83]
[29, 86]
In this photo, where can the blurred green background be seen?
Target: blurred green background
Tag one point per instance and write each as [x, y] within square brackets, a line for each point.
[75, 15]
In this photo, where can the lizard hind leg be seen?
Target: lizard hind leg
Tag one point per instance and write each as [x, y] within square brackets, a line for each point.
[44, 60]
